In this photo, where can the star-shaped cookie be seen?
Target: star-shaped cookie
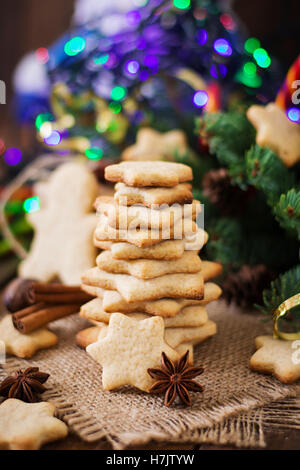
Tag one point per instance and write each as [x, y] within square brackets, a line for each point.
[63, 240]
[27, 426]
[129, 348]
[153, 145]
[145, 173]
[24, 346]
[276, 131]
[277, 357]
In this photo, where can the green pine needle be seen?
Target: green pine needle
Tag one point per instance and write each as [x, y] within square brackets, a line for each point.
[284, 287]
[230, 135]
[225, 236]
[267, 173]
[287, 211]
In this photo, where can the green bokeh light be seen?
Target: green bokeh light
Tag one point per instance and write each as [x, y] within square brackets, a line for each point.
[32, 205]
[182, 4]
[118, 93]
[115, 107]
[74, 46]
[262, 58]
[102, 60]
[94, 153]
[41, 119]
[251, 81]
[251, 44]
[250, 68]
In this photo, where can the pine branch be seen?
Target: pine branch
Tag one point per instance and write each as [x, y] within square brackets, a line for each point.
[229, 135]
[287, 211]
[284, 287]
[225, 242]
[267, 173]
[235, 242]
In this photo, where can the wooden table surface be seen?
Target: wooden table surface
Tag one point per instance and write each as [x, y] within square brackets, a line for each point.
[276, 438]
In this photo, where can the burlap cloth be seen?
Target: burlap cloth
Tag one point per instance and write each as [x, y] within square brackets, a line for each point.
[235, 404]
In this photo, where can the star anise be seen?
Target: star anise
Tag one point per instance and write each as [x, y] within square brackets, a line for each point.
[176, 379]
[25, 385]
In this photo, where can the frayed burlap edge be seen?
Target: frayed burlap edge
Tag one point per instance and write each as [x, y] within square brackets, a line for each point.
[241, 425]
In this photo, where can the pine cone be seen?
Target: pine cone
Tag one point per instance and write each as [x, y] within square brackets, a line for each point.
[246, 286]
[229, 199]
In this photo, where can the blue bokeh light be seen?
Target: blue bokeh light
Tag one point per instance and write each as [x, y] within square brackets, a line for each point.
[200, 98]
[218, 71]
[222, 47]
[202, 37]
[132, 67]
[53, 139]
[294, 114]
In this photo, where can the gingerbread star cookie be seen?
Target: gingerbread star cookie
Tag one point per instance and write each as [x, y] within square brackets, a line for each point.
[276, 131]
[144, 238]
[164, 250]
[277, 357]
[174, 336]
[63, 240]
[129, 195]
[90, 335]
[157, 217]
[27, 426]
[190, 316]
[24, 346]
[153, 145]
[111, 301]
[188, 286]
[149, 269]
[141, 174]
[128, 349]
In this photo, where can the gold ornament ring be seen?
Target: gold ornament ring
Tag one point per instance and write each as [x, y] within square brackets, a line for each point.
[280, 312]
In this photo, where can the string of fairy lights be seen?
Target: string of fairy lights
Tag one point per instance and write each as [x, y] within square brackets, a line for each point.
[115, 65]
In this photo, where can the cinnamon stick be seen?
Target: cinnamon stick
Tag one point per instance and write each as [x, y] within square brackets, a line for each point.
[21, 293]
[28, 310]
[79, 297]
[31, 318]
[41, 288]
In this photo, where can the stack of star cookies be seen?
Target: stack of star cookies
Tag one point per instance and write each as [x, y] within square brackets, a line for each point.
[150, 266]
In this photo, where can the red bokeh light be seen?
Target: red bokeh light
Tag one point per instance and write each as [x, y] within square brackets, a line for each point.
[227, 21]
[42, 55]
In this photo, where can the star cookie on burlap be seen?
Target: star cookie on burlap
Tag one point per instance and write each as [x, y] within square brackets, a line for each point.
[276, 131]
[153, 145]
[63, 240]
[21, 345]
[27, 426]
[128, 349]
[277, 357]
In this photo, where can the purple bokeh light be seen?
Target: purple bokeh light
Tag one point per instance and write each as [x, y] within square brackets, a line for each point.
[133, 17]
[13, 156]
[53, 139]
[132, 67]
[222, 47]
[202, 37]
[218, 70]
